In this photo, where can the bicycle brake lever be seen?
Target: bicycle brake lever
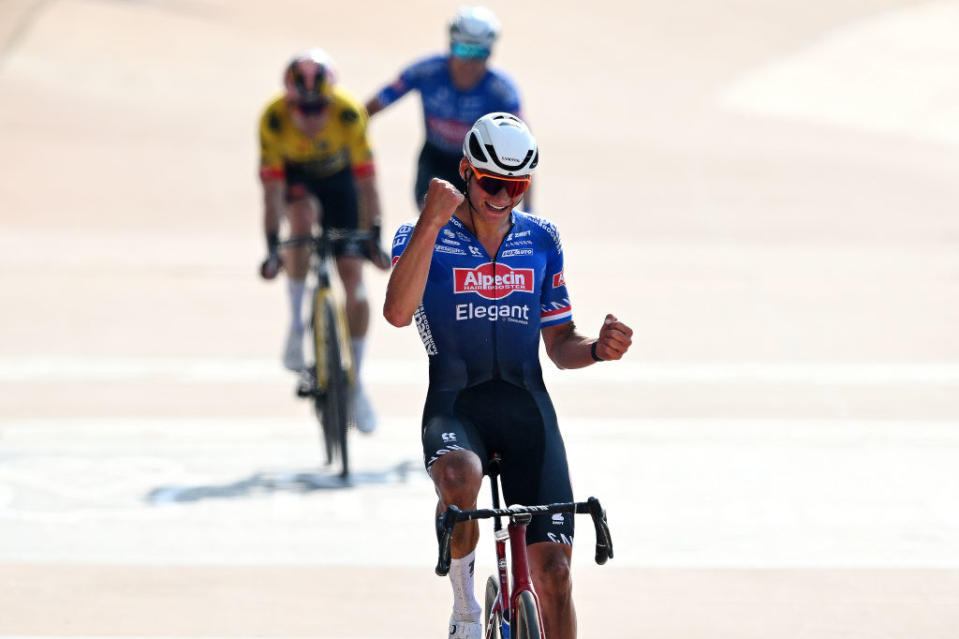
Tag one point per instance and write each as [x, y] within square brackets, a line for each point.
[604, 540]
[444, 534]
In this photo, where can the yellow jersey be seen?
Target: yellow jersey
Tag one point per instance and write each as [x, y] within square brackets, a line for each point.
[341, 144]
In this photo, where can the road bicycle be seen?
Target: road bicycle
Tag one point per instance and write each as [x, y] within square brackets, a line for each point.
[330, 379]
[515, 614]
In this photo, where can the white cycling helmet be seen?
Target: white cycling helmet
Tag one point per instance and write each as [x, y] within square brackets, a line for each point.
[309, 77]
[502, 144]
[475, 26]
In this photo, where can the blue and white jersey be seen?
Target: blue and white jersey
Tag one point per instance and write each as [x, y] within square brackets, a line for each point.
[481, 315]
[449, 112]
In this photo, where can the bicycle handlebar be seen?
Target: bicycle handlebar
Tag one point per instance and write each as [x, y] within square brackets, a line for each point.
[453, 515]
[329, 235]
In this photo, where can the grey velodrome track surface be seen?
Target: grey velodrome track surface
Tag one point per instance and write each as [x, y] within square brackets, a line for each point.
[766, 192]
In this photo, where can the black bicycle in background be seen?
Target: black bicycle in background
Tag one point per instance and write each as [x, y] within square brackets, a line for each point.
[330, 379]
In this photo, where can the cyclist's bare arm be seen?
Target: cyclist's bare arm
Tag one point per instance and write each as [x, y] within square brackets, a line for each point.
[369, 201]
[373, 107]
[273, 202]
[370, 217]
[408, 280]
[569, 349]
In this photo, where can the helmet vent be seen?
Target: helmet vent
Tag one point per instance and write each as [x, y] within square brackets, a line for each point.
[476, 149]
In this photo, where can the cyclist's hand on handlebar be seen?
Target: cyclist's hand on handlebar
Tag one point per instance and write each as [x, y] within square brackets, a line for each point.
[271, 266]
[380, 258]
[374, 252]
[441, 200]
[615, 338]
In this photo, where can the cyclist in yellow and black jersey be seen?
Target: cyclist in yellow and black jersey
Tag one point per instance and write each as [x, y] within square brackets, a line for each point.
[339, 145]
[316, 166]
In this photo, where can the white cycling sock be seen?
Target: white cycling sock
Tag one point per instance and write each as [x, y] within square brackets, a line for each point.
[465, 606]
[296, 289]
[359, 346]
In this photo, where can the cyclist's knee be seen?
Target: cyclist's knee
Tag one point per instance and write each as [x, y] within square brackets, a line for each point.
[301, 213]
[458, 476]
[350, 269]
[550, 565]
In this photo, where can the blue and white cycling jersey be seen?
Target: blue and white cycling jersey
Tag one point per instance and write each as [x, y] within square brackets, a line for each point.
[449, 112]
[481, 315]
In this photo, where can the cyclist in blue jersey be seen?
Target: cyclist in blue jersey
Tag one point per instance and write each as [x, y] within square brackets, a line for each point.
[483, 281]
[456, 89]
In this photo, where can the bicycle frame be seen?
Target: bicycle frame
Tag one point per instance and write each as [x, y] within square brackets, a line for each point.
[505, 604]
[519, 517]
[324, 288]
[328, 381]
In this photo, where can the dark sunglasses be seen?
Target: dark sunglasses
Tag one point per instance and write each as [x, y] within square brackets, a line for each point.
[493, 184]
[312, 108]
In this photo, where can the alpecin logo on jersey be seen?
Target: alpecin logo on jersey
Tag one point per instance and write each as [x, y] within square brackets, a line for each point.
[492, 284]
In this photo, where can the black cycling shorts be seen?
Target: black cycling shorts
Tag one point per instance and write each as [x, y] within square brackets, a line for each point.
[339, 204]
[519, 425]
[432, 163]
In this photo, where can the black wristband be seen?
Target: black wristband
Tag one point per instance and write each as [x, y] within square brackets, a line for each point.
[272, 241]
[592, 352]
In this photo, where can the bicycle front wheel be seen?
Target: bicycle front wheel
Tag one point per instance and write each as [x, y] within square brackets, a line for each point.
[491, 612]
[526, 624]
[332, 398]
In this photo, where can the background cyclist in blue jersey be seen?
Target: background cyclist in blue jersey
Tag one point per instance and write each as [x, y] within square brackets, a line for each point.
[456, 89]
[483, 282]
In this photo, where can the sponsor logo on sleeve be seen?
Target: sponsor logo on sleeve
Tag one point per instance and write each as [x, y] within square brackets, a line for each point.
[402, 234]
[559, 280]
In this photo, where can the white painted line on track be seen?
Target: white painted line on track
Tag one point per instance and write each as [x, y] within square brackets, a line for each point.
[189, 430]
[226, 370]
[720, 493]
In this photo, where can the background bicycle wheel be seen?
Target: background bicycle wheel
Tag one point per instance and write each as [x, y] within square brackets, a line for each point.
[766, 191]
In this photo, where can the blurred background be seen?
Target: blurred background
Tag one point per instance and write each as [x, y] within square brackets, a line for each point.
[765, 191]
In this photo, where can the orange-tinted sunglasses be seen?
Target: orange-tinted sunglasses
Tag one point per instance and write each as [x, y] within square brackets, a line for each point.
[492, 183]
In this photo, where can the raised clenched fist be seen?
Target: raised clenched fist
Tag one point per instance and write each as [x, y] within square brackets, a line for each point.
[442, 198]
[615, 338]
